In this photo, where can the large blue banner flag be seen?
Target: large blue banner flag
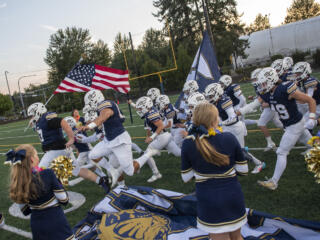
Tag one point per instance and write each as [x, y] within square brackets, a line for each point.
[136, 213]
[205, 68]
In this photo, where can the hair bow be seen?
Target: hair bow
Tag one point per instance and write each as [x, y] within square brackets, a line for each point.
[14, 158]
[202, 131]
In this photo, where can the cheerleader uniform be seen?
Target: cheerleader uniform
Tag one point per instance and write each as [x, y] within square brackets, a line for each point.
[47, 218]
[220, 201]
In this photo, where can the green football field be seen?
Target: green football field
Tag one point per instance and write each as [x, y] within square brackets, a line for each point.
[296, 197]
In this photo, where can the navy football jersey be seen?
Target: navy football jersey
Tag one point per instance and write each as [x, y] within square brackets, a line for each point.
[152, 116]
[51, 138]
[279, 102]
[81, 147]
[223, 104]
[113, 125]
[311, 82]
[171, 113]
[230, 91]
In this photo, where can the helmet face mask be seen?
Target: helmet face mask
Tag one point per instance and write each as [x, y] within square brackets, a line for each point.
[92, 98]
[278, 66]
[36, 110]
[189, 87]
[301, 71]
[213, 92]
[225, 81]
[287, 64]
[143, 105]
[163, 102]
[254, 74]
[90, 116]
[194, 100]
[267, 80]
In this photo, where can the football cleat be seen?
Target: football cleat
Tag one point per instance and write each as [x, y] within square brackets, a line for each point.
[104, 182]
[154, 177]
[270, 146]
[270, 184]
[258, 168]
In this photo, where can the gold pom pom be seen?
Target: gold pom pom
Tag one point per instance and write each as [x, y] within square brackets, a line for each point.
[312, 157]
[62, 167]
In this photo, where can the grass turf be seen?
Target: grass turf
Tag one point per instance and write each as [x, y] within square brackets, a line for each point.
[296, 197]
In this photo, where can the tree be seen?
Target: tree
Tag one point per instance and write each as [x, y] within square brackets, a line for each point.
[99, 54]
[5, 103]
[260, 23]
[302, 9]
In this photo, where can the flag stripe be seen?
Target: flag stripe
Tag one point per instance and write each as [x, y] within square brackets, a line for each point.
[106, 85]
[110, 80]
[111, 70]
[110, 84]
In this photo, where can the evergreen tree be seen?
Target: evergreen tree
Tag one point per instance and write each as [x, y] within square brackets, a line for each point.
[302, 9]
[260, 23]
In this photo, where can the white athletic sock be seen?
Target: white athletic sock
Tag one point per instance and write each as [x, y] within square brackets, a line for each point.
[250, 122]
[136, 148]
[153, 166]
[280, 167]
[269, 140]
[97, 180]
[99, 172]
[142, 160]
[254, 159]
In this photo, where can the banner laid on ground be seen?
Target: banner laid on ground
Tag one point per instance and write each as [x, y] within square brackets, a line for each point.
[147, 213]
[204, 69]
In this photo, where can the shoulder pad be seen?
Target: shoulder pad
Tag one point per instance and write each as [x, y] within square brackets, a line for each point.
[51, 115]
[104, 104]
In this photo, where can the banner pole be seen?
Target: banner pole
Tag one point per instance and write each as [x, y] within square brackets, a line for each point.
[131, 119]
[49, 99]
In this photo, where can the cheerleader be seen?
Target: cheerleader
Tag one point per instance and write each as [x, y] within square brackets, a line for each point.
[39, 193]
[214, 158]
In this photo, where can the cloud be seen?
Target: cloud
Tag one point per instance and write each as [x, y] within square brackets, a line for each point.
[48, 27]
[3, 5]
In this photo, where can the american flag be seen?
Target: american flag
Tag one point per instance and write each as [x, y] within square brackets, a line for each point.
[86, 77]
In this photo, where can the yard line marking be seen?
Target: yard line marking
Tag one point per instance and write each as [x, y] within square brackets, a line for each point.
[17, 231]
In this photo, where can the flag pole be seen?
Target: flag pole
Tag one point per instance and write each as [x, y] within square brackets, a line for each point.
[131, 119]
[49, 99]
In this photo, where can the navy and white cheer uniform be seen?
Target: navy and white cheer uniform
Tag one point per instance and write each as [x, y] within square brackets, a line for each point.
[289, 115]
[47, 218]
[116, 144]
[171, 114]
[220, 201]
[51, 137]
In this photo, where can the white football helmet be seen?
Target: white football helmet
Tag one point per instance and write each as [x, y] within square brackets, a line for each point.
[86, 109]
[213, 92]
[90, 116]
[36, 110]
[267, 79]
[278, 66]
[143, 105]
[93, 97]
[301, 70]
[153, 93]
[254, 74]
[287, 63]
[71, 121]
[162, 101]
[225, 81]
[190, 87]
[194, 100]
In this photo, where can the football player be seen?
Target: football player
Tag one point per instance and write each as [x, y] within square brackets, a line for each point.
[230, 121]
[189, 87]
[282, 97]
[153, 93]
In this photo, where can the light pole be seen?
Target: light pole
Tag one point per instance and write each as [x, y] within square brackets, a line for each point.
[5, 73]
[21, 98]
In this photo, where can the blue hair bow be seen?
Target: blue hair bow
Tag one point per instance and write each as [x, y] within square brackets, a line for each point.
[197, 130]
[14, 158]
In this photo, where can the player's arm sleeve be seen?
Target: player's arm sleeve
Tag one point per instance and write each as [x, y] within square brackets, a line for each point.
[25, 209]
[248, 108]
[310, 91]
[187, 172]
[232, 117]
[87, 139]
[58, 190]
[242, 100]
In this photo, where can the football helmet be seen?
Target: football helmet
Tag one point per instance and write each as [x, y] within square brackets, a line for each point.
[277, 65]
[93, 97]
[301, 70]
[143, 105]
[254, 74]
[190, 87]
[287, 63]
[86, 109]
[153, 93]
[36, 110]
[267, 79]
[90, 116]
[225, 81]
[213, 92]
[162, 101]
[194, 100]
[71, 121]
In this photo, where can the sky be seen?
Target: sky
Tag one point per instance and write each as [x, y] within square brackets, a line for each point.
[26, 26]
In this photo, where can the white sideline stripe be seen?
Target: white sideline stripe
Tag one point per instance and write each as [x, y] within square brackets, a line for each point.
[17, 231]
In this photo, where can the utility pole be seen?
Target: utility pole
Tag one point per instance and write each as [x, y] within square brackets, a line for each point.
[21, 98]
[11, 97]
